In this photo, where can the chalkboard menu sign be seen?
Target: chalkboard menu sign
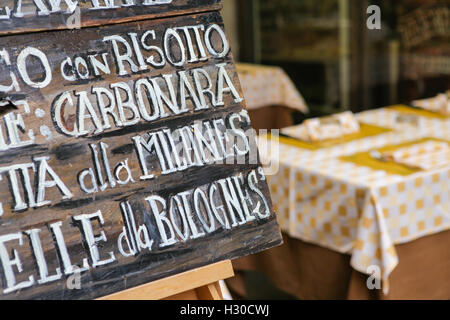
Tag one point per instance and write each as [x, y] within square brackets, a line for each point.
[125, 149]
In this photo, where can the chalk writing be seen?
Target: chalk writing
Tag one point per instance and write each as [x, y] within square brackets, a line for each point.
[127, 143]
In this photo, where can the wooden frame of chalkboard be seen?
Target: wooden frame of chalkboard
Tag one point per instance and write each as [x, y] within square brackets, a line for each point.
[197, 284]
[126, 154]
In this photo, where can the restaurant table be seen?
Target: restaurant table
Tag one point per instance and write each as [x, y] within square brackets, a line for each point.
[270, 95]
[345, 215]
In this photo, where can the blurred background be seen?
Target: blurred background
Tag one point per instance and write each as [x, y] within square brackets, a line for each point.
[383, 67]
[338, 63]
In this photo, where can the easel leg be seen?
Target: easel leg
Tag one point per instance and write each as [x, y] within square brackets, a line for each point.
[210, 292]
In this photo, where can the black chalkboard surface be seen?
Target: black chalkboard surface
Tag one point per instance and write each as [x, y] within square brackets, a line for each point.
[125, 149]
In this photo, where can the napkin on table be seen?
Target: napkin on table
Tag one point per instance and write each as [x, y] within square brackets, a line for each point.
[325, 128]
[439, 104]
[425, 155]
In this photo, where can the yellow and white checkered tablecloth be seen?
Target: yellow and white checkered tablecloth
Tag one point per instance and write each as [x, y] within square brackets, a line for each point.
[265, 86]
[431, 124]
[324, 198]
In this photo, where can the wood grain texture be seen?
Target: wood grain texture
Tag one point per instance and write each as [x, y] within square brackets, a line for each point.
[70, 156]
[87, 16]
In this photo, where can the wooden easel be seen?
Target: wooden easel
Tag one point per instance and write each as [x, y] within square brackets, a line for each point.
[198, 284]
